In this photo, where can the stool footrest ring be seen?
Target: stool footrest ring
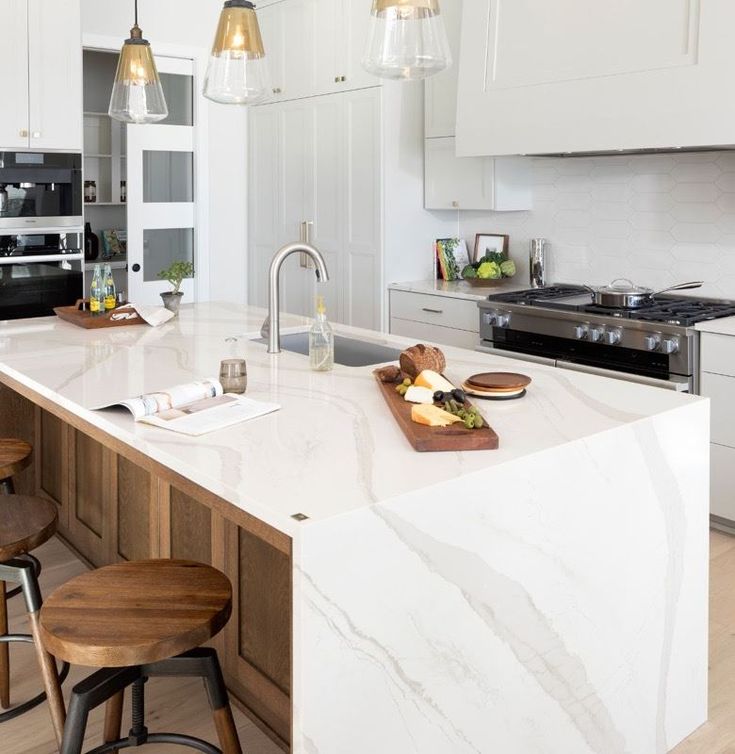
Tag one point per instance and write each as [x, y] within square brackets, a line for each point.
[158, 738]
[21, 709]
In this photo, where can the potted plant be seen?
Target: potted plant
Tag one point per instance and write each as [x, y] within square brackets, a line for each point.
[175, 274]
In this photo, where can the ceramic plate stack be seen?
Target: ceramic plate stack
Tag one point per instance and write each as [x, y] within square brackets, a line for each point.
[498, 386]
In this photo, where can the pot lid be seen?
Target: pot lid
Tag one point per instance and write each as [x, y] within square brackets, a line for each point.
[625, 287]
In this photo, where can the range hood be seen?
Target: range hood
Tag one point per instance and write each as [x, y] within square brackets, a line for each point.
[614, 152]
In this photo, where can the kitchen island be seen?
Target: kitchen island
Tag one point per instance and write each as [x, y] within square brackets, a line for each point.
[548, 597]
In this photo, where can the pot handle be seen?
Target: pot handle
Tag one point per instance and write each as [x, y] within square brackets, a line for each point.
[680, 287]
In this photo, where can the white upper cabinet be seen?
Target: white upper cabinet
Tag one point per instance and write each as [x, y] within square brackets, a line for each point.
[441, 90]
[540, 77]
[315, 47]
[41, 59]
[14, 65]
[55, 74]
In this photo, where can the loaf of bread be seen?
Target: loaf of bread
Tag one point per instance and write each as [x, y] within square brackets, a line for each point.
[419, 357]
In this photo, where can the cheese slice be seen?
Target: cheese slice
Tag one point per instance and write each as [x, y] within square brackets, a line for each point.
[434, 381]
[416, 394]
[433, 416]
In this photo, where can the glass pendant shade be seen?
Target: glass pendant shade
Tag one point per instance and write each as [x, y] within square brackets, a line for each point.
[237, 73]
[406, 40]
[137, 94]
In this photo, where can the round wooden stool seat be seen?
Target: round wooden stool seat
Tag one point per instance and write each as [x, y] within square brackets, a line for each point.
[25, 523]
[130, 614]
[15, 455]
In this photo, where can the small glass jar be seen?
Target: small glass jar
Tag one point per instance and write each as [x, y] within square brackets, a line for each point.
[90, 192]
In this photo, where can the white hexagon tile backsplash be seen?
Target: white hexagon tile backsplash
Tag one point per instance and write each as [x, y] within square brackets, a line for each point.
[657, 219]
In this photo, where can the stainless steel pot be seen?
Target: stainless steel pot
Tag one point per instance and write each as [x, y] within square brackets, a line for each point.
[624, 294]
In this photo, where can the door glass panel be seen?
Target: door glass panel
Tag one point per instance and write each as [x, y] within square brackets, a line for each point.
[168, 177]
[179, 93]
[163, 247]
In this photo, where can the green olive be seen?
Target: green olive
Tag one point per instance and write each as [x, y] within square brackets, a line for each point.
[407, 382]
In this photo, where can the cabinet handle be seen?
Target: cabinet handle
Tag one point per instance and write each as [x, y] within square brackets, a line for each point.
[23, 133]
[336, 79]
[306, 227]
[276, 91]
[433, 311]
[343, 78]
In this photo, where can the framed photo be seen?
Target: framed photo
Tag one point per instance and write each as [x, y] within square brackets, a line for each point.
[491, 242]
[451, 258]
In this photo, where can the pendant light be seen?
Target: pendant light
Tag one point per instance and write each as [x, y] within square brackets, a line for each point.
[237, 73]
[137, 95]
[406, 40]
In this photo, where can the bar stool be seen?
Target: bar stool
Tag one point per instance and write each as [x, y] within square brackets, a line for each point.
[15, 456]
[26, 523]
[135, 621]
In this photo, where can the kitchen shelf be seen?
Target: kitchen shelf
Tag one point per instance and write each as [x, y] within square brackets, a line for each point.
[96, 115]
[97, 156]
[118, 264]
[105, 204]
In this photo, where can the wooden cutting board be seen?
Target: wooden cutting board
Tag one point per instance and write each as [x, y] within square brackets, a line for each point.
[436, 439]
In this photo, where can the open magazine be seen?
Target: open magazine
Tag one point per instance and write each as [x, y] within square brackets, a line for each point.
[194, 409]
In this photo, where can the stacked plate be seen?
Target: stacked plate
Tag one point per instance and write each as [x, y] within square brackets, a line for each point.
[499, 386]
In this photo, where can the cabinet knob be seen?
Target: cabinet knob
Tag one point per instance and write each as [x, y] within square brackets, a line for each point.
[23, 133]
[136, 268]
[455, 205]
[343, 78]
[336, 79]
[276, 91]
[36, 134]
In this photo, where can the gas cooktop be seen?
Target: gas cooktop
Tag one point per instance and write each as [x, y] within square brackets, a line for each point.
[684, 311]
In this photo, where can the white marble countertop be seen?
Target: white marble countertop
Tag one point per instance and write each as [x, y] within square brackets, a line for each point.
[725, 326]
[456, 289]
[334, 447]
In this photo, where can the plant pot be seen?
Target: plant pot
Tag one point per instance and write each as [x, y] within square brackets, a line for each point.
[172, 301]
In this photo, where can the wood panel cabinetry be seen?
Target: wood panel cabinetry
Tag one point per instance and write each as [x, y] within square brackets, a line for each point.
[117, 504]
[41, 60]
[538, 77]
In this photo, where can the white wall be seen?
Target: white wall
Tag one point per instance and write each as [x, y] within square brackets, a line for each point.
[171, 25]
[658, 219]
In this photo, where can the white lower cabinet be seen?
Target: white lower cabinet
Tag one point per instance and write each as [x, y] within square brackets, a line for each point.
[443, 320]
[717, 382]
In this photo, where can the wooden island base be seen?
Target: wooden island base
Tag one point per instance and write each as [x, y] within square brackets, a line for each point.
[117, 504]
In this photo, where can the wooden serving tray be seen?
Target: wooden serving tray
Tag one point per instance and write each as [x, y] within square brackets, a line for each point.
[435, 439]
[80, 317]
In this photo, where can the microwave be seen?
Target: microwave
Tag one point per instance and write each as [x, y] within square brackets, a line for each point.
[40, 192]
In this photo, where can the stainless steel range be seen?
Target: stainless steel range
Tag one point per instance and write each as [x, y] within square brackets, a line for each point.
[560, 325]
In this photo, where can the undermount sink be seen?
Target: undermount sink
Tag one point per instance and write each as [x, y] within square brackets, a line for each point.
[348, 352]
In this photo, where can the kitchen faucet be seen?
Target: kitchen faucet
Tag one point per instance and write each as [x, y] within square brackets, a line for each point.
[272, 325]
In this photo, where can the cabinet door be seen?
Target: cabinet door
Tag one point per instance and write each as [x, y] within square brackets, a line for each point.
[55, 74]
[362, 205]
[328, 47]
[14, 67]
[263, 178]
[441, 90]
[300, 40]
[540, 77]
[350, 44]
[452, 182]
[270, 20]
[723, 482]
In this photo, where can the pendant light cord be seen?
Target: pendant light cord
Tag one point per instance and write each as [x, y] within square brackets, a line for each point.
[136, 12]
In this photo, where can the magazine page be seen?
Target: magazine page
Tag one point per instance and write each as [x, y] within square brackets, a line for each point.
[175, 397]
[210, 414]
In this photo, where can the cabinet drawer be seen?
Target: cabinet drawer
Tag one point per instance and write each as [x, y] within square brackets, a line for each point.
[722, 495]
[461, 314]
[721, 391]
[718, 354]
[434, 334]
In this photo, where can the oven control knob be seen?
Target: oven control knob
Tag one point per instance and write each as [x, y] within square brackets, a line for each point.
[503, 320]
[581, 332]
[613, 337]
[490, 318]
[671, 345]
[652, 342]
[596, 334]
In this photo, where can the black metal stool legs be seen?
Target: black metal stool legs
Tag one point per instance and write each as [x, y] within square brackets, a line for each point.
[7, 487]
[24, 572]
[108, 682]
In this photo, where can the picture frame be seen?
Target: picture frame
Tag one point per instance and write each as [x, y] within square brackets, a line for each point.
[452, 256]
[496, 242]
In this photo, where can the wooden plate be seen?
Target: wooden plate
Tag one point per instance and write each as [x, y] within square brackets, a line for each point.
[496, 382]
[476, 392]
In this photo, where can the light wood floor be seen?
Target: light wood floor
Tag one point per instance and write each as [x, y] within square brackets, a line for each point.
[177, 706]
[182, 706]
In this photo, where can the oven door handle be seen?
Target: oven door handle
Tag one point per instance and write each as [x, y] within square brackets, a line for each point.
[42, 258]
[518, 356]
[679, 385]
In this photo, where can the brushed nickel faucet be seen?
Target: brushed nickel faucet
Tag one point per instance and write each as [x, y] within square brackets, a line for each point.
[272, 326]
